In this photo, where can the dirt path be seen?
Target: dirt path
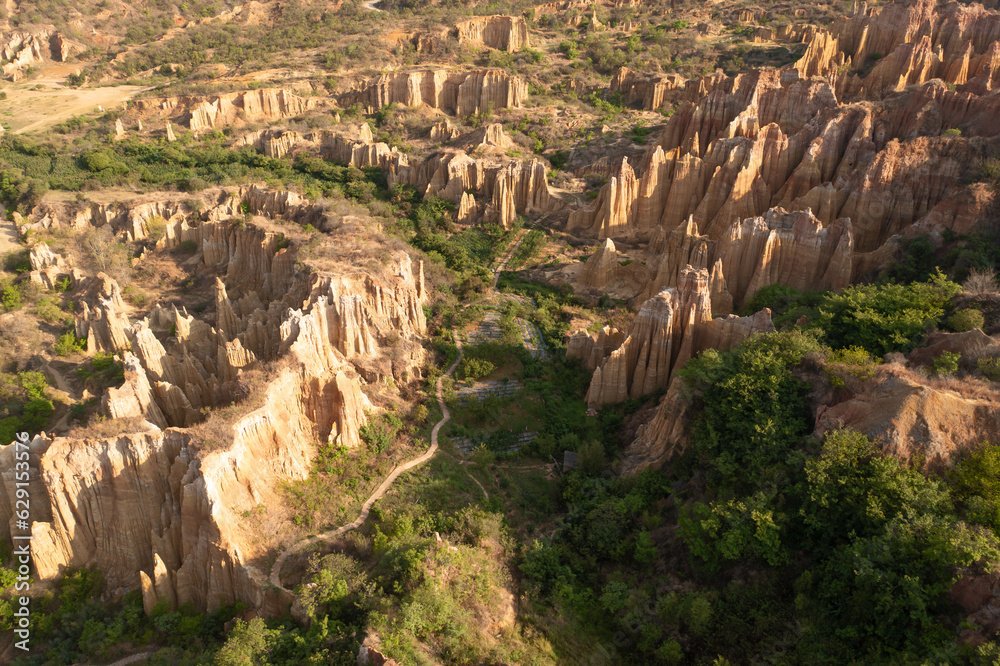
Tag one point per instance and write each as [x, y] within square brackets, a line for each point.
[370, 4]
[464, 464]
[380, 491]
[8, 234]
[60, 379]
[133, 659]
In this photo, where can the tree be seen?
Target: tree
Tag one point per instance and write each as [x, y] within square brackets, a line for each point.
[246, 645]
[884, 318]
[975, 485]
[645, 549]
[107, 254]
[591, 457]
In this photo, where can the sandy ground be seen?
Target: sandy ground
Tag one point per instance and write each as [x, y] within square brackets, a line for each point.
[47, 100]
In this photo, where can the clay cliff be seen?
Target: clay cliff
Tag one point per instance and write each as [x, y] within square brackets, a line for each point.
[21, 49]
[506, 33]
[909, 44]
[506, 186]
[915, 417]
[455, 93]
[667, 331]
[281, 361]
[201, 113]
[849, 176]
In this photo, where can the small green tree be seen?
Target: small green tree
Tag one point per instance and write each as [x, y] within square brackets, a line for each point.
[990, 367]
[10, 296]
[68, 344]
[946, 364]
[975, 485]
[591, 457]
[477, 368]
[645, 549]
[246, 645]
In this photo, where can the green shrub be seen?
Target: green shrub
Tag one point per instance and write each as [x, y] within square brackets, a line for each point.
[888, 577]
[188, 247]
[753, 405]
[990, 367]
[592, 461]
[569, 49]
[17, 261]
[10, 296]
[380, 431]
[946, 364]
[477, 368]
[68, 344]
[48, 310]
[851, 363]
[966, 320]
[975, 485]
[420, 413]
[884, 318]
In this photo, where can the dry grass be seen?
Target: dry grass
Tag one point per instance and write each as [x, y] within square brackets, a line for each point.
[250, 393]
[981, 282]
[966, 385]
[105, 428]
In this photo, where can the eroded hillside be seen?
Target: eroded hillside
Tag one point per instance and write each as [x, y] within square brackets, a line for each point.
[552, 333]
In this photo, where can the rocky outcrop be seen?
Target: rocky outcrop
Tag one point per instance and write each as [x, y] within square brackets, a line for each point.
[444, 131]
[664, 435]
[912, 419]
[200, 114]
[430, 42]
[791, 249]
[467, 210]
[272, 142]
[157, 511]
[489, 139]
[455, 93]
[508, 187]
[909, 44]
[21, 49]
[771, 145]
[506, 33]
[49, 268]
[601, 268]
[102, 320]
[668, 330]
[289, 348]
[592, 349]
[511, 187]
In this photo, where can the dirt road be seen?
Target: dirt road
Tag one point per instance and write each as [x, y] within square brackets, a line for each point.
[46, 100]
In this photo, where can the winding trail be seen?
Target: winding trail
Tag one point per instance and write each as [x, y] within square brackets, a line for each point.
[133, 659]
[275, 577]
[464, 464]
[380, 491]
